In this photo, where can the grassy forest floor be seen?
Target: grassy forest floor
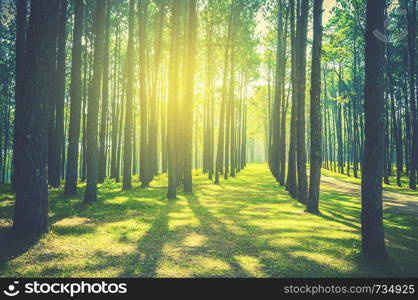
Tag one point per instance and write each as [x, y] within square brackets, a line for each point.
[245, 227]
[392, 187]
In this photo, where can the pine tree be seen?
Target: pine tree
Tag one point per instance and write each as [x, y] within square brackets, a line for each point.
[75, 114]
[172, 109]
[128, 137]
[316, 111]
[372, 233]
[92, 153]
[105, 98]
[189, 94]
[31, 208]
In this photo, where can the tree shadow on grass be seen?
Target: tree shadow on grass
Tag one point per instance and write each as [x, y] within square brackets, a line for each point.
[249, 244]
[338, 207]
[150, 246]
[11, 247]
[69, 216]
[399, 232]
[219, 237]
[246, 228]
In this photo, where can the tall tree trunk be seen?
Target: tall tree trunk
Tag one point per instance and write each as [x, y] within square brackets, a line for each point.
[75, 114]
[121, 127]
[54, 167]
[412, 20]
[407, 115]
[221, 135]
[230, 157]
[87, 84]
[339, 131]
[145, 176]
[210, 105]
[93, 104]
[153, 135]
[164, 153]
[189, 93]
[135, 153]
[372, 168]
[228, 119]
[179, 135]
[316, 117]
[285, 105]
[325, 149]
[128, 137]
[386, 152]
[115, 123]
[244, 135]
[20, 69]
[291, 182]
[173, 96]
[7, 108]
[275, 118]
[105, 98]
[301, 134]
[31, 208]
[355, 114]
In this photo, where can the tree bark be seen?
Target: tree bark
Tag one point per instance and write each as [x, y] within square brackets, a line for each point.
[153, 135]
[93, 104]
[371, 194]
[221, 135]
[54, 164]
[189, 94]
[316, 117]
[105, 98]
[412, 20]
[275, 119]
[20, 69]
[144, 163]
[284, 109]
[128, 136]
[31, 208]
[75, 114]
[173, 96]
[115, 123]
[291, 182]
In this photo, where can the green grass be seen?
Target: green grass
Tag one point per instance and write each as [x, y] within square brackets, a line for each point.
[392, 187]
[246, 227]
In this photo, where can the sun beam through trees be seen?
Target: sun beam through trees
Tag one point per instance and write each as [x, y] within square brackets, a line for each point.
[130, 96]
